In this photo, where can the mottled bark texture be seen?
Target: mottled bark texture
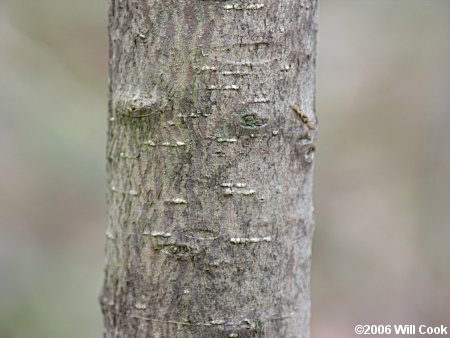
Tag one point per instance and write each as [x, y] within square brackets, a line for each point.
[210, 157]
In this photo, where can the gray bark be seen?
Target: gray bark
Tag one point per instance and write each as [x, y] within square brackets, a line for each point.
[210, 157]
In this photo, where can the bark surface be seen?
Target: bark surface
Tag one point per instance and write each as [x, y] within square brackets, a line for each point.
[210, 157]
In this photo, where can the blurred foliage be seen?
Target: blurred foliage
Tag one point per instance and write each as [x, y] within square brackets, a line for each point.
[53, 82]
[382, 180]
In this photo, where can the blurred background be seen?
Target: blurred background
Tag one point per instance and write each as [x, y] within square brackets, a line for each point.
[382, 174]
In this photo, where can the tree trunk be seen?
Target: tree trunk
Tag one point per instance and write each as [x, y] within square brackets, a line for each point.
[210, 157]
